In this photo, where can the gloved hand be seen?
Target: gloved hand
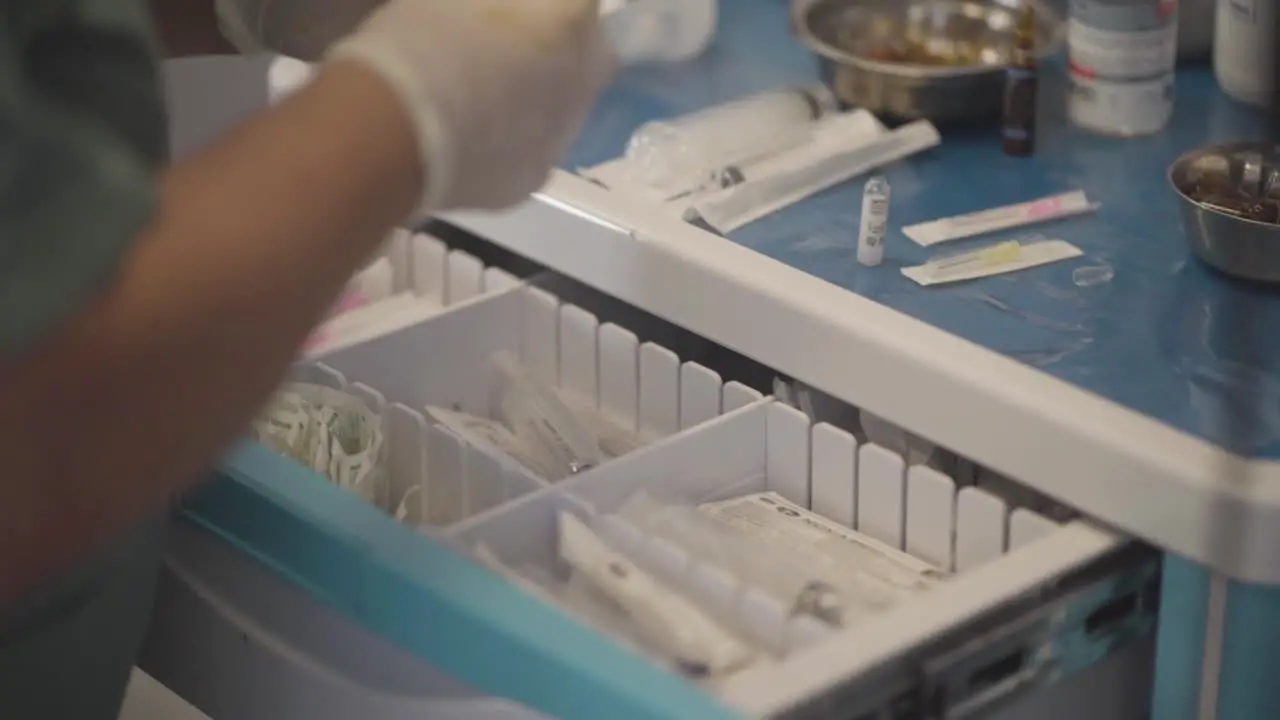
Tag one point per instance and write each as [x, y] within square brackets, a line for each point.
[496, 89]
[302, 29]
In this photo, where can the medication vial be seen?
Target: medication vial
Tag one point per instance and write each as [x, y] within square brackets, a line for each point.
[875, 220]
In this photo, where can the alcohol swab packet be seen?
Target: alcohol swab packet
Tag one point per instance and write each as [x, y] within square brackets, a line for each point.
[997, 259]
[1007, 217]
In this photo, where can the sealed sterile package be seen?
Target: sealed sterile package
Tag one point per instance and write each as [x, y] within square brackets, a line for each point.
[578, 597]
[615, 439]
[1004, 257]
[859, 560]
[622, 175]
[529, 423]
[764, 567]
[694, 640]
[1053, 207]
[330, 431]
[543, 422]
[606, 590]
[810, 169]
[673, 158]
[807, 563]
[777, 151]
[494, 438]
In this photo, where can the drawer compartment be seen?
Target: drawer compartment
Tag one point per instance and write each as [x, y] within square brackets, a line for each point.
[407, 585]
[1031, 602]
[641, 388]
[414, 277]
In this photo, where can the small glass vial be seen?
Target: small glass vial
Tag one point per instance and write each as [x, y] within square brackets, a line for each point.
[874, 222]
[1018, 130]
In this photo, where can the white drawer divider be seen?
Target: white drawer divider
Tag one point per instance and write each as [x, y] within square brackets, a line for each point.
[444, 360]
[981, 527]
[710, 441]
[579, 355]
[700, 390]
[931, 516]
[466, 277]
[769, 446]
[834, 482]
[881, 494]
[737, 396]
[766, 691]
[659, 391]
[619, 375]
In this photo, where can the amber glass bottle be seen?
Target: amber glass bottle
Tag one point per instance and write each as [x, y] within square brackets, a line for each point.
[1019, 127]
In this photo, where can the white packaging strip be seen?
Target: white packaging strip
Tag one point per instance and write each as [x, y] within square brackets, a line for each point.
[1029, 255]
[695, 641]
[807, 171]
[767, 146]
[768, 157]
[827, 137]
[1002, 218]
[619, 176]
[814, 539]
[330, 431]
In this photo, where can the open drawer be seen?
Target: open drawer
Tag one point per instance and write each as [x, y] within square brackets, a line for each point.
[1032, 603]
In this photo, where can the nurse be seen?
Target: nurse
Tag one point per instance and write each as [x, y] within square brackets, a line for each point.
[147, 311]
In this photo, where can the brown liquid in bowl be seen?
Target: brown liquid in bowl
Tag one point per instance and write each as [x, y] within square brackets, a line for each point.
[959, 55]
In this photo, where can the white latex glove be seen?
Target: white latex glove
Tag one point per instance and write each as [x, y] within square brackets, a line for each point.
[497, 89]
[302, 29]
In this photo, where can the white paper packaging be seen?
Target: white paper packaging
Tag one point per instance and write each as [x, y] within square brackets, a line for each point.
[1007, 217]
[695, 640]
[777, 154]
[1030, 255]
[810, 170]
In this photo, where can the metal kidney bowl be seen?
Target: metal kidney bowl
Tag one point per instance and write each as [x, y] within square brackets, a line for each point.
[1248, 173]
[941, 60]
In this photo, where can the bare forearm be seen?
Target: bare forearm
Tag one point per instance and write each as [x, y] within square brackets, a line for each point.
[132, 402]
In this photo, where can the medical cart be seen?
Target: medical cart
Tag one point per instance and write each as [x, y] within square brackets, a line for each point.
[1117, 551]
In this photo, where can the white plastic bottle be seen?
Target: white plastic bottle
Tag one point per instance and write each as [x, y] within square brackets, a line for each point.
[1244, 35]
[874, 222]
[645, 31]
[1122, 55]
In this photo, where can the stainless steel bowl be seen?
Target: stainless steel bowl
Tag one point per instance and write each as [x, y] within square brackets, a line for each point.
[1229, 196]
[847, 35]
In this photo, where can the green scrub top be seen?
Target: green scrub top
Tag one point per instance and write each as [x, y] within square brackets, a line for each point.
[82, 137]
